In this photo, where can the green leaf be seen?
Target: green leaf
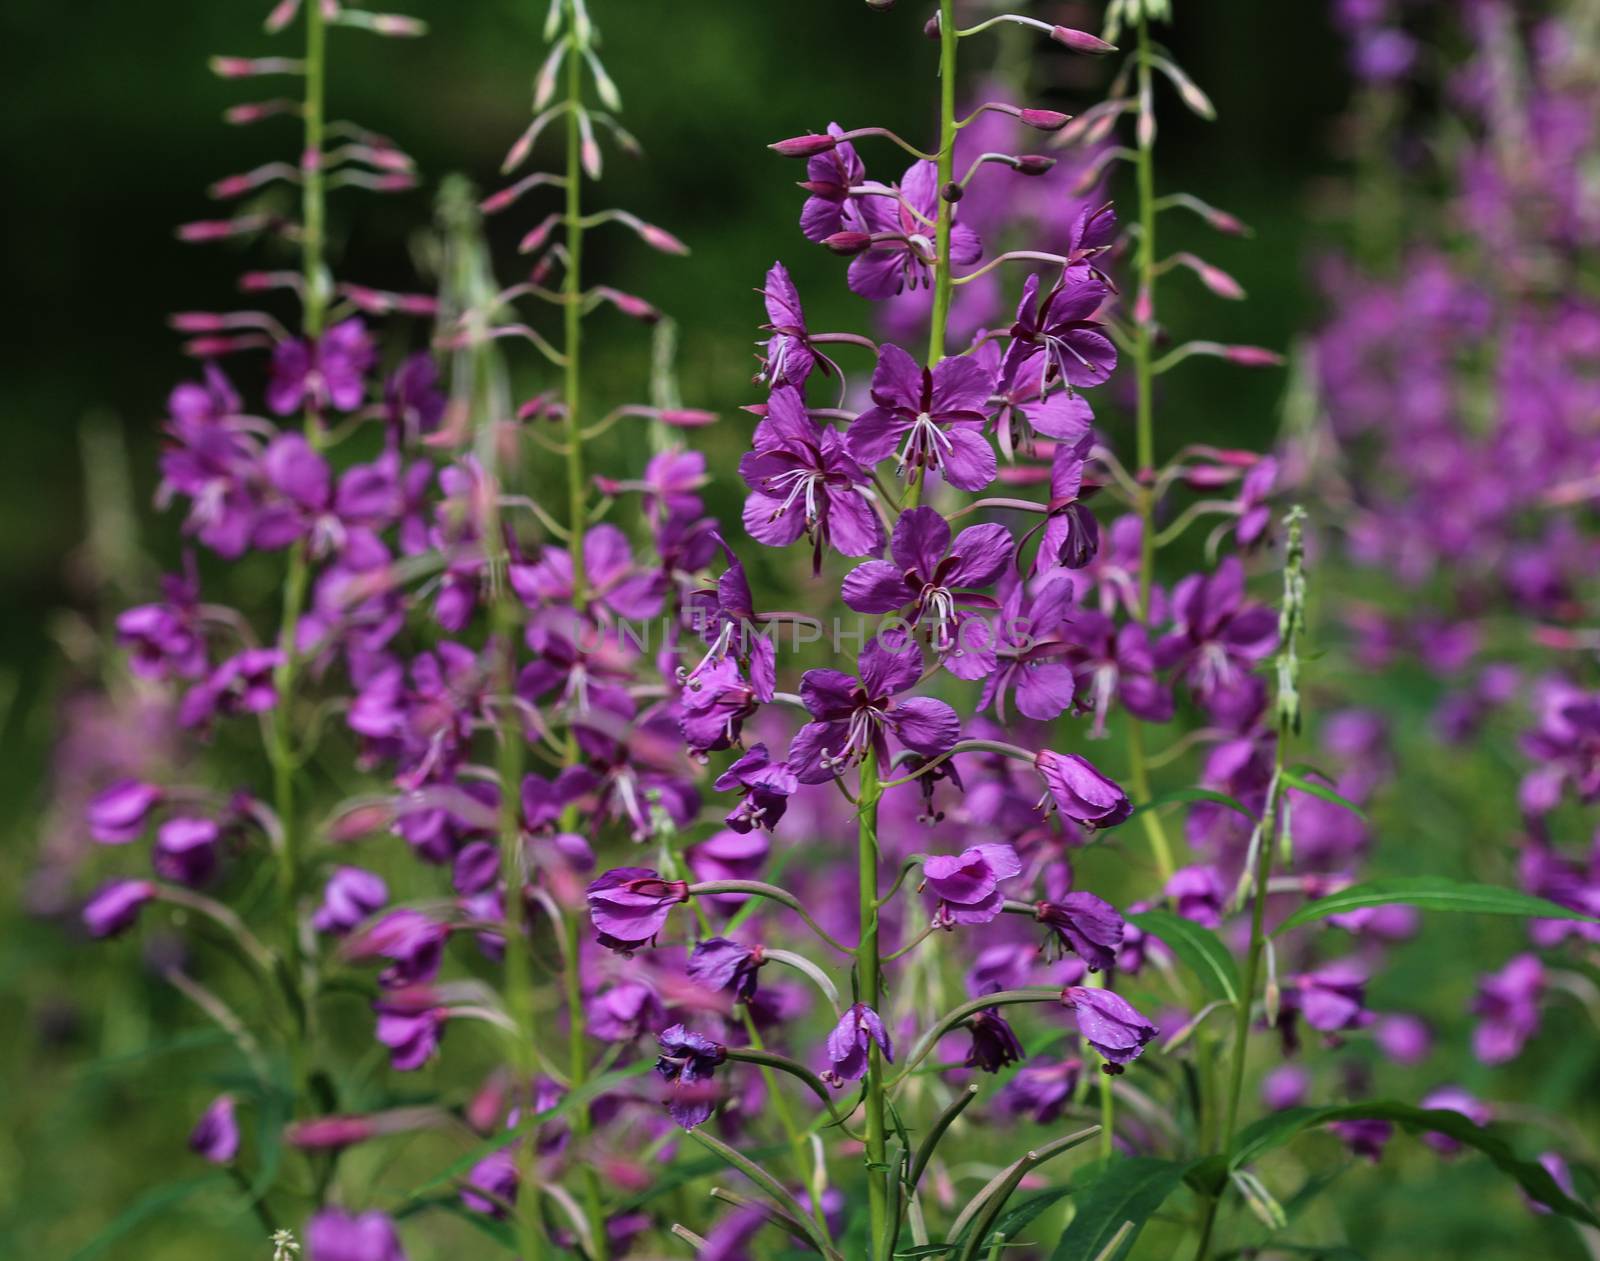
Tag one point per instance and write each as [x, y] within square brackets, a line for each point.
[1192, 795]
[775, 1190]
[1430, 893]
[495, 1229]
[150, 1204]
[1128, 1191]
[1274, 1131]
[1019, 1217]
[1200, 950]
[1302, 784]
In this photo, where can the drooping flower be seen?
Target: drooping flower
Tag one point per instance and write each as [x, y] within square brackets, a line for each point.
[1507, 1007]
[789, 355]
[334, 1235]
[1042, 1089]
[1087, 925]
[216, 1135]
[967, 885]
[1453, 1099]
[410, 1026]
[994, 1042]
[186, 850]
[351, 895]
[765, 785]
[850, 1043]
[1109, 1024]
[1365, 1138]
[116, 906]
[1080, 792]
[687, 1062]
[934, 416]
[719, 963]
[630, 905]
[117, 814]
[852, 716]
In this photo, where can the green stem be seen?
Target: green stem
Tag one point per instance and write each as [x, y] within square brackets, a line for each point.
[313, 201]
[1143, 357]
[572, 311]
[942, 275]
[870, 990]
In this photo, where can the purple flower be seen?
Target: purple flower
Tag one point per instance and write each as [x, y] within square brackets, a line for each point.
[1198, 893]
[830, 175]
[905, 261]
[1363, 1138]
[410, 1028]
[1042, 1089]
[328, 372]
[186, 850]
[613, 581]
[934, 577]
[850, 1043]
[351, 895]
[630, 905]
[855, 715]
[118, 814]
[1557, 1168]
[413, 404]
[803, 481]
[1217, 638]
[216, 1135]
[1058, 328]
[1285, 1087]
[1109, 1024]
[1507, 1007]
[766, 787]
[1566, 743]
[166, 639]
[1080, 792]
[1331, 1000]
[720, 964]
[1111, 661]
[496, 1175]
[994, 1042]
[687, 1062]
[624, 1012]
[1404, 1039]
[1453, 1099]
[334, 1235]
[1025, 652]
[1071, 534]
[935, 416]
[115, 907]
[243, 684]
[968, 884]
[1087, 925]
[789, 354]
[413, 941]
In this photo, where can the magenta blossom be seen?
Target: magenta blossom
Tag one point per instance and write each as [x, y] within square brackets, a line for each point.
[905, 216]
[334, 1235]
[967, 885]
[1507, 1007]
[686, 1063]
[328, 372]
[935, 416]
[1109, 1024]
[1056, 329]
[630, 905]
[216, 1135]
[1080, 792]
[1087, 925]
[850, 1043]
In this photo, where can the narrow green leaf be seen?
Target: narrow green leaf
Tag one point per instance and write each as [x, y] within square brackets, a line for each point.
[148, 1205]
[1192, 795]
[1199, 949]
[1275, 1130]
[1128, 1191]
[1430, 893]
[774, 1189]
[1314, 789]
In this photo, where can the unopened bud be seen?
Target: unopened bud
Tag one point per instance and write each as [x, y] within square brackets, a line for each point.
[882, 6]
[930, 28]
[1252, 356]
[255, 111]
[1033, 164]
[398, 25]
[197, 322]
[687, 417]
[1081, 41]
[1045, 119]
[952, 192]
[220, 229]
[660, 239]
[251, 67]
[538, 234]
[634, 307]
[803, 146]
[848, 242]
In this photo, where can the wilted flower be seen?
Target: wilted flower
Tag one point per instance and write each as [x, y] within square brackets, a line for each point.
[850, 1043]
[1109, 1024]
[686, 1062]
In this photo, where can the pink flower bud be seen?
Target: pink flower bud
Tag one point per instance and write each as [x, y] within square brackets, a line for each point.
[494, 203]
[231, 186]
[1144, 307]
[197, 322]
[282, 14]
[252, 67]
[220, 229]
[255, 111]
[632, 306]
[661, 239]
[1045, 119]
[687, 417]
[803, 146]
[1081, 41]
[1033, 164]
[848, 242]
[1253, 356]
[398, 182]
[325, 1133]
[538, 235]
[398, 25]
[930, 28]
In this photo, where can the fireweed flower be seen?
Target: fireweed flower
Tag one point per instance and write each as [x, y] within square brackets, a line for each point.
[1087, 925]
[216, 1135]
[850, 1042]
[803, 481]
[1453, 1099]
[1217, 639]
[334, 1235]
[495, 1174]
[412, 940]
[720, 964]
[930, 419]
[1080, 792]
[243, 684]
[624, 1013]
[1026, 649]
[907, 217]
[1198, 894]
[994, 1042]
[1507, 1007]
[789, 355]
[629, 906]
[410, 1026]
[1056, 330]
[687, 1062]
[765, 788]
[853, 715]
[351, 896]
[329, 372]
[936, 578]
[1115, 663]
[186, 850]
[830, 175]
[967, 885]
[116, 907]
[1364, 1138]
[1109, 1024]
[1041, 1090]
[118, 814]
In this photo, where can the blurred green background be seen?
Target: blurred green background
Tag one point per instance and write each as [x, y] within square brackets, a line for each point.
[110, 135]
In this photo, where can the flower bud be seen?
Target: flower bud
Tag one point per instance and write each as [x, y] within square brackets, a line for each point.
[848, 242]
[952, 192]
[660, 239]
[538, 234]
[398, 25]
[687, 417]
[930, 28]
[1252, 356]
[1045, 119]
[1033, 164]
[803, 146]
[882, 6]
[1081, 41]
